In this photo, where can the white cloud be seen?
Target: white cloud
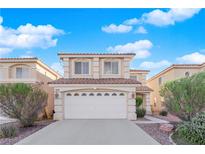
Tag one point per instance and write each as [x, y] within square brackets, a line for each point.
[163, 18]
[4, 51]
[183, 14]
[141, 30]
[112, 28]
[158, 18]
[39, 30]
[29, 36]
[57, 67]
[140, 48]
[132, 21]
[154, 65]
[193, 58]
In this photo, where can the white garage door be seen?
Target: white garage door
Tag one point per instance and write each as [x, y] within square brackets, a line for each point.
[95, 105]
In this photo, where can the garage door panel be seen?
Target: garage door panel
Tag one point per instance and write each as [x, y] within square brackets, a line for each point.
[95, 107]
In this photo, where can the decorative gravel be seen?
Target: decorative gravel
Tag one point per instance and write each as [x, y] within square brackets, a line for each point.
[154, 132]
[169, 117]
[142, 119]
[24, 132]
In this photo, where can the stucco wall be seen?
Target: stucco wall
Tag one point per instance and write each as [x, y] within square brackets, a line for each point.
[142, 77]
[49, 90]
[96, 67]
[8, 72]
[45, 72]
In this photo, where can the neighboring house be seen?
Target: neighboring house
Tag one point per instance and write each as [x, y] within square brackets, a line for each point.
[98, 86]
[31, 71]
[171, 73]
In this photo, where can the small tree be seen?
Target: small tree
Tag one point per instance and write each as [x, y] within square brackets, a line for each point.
[139, 111]
[185, 97]
[138, 101]
[22, 101]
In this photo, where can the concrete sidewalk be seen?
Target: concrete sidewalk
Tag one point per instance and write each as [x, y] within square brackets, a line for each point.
[90, 132]
[152, 120]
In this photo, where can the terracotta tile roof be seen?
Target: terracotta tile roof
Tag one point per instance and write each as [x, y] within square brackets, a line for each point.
[32, 58]
[67, 53]
[94, 81]
[134, 70]
[186, 65]
[143, 88]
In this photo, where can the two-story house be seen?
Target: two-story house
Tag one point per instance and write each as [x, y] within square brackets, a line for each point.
[175, 71]
[98, 86]
[31, 71]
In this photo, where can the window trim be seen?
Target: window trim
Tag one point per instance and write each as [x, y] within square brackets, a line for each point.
[111, 61]
[81, 69]
[23, 76]
[81, 60]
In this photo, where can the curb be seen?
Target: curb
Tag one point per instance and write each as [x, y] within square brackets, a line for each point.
[170, 139]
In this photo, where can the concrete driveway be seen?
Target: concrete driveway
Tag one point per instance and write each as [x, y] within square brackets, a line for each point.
[90, 132]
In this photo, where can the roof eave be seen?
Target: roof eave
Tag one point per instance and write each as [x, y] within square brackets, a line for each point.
[63, 55]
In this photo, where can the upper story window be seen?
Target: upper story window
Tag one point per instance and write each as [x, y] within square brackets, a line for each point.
[160, 81]
[81, 67]
[111, 67]
[133, 77]
[22, 72]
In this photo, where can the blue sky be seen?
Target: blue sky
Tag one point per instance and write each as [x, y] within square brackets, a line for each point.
[159, 37]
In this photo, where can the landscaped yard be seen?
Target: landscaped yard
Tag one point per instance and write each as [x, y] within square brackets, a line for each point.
[25, 131]
[28, 103]
[183, 133]
[185, 98]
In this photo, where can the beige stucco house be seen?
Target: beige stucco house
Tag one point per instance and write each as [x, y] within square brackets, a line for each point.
[173, 72]
[31, 71]
[99, 86]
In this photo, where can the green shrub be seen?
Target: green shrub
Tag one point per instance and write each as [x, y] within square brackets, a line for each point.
[185, 97]
[194, 130]
[22, 101]
[140, 112]
[138, 101]
[8, 131]
[163, 113]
